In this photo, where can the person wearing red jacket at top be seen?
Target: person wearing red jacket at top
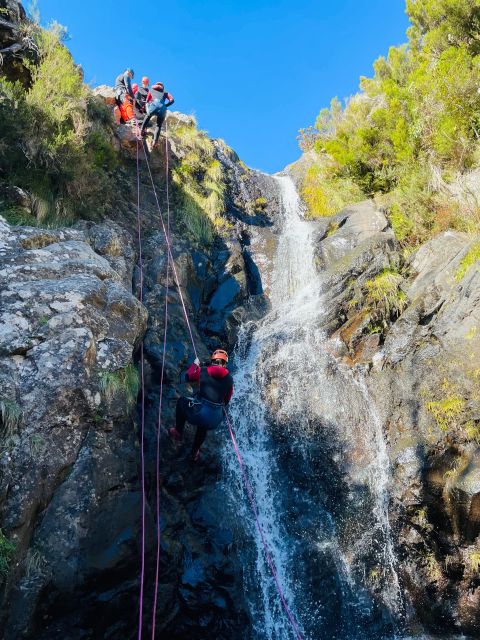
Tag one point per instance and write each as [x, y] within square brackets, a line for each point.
[158, 101]
[205, 410]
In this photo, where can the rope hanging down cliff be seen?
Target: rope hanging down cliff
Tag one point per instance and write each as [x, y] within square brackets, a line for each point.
[248, 487]
[142, 409]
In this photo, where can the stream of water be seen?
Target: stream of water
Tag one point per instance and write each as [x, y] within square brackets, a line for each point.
[317, 462]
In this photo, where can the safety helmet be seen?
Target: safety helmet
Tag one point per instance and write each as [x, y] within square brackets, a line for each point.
[159, 86]
[135, 87]
[145, 80]
[220, 354]
[131, 72]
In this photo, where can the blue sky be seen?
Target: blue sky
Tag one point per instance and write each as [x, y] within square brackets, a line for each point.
[253, 72]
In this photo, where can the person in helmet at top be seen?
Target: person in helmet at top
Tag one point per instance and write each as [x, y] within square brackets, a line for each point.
[205, 410]
[141, 98]
[158, 101]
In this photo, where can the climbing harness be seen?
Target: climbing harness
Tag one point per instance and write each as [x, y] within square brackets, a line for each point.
[192, 402]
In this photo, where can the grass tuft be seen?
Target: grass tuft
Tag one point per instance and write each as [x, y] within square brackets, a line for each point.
[10, 416]
[125, 381]
[471, 258]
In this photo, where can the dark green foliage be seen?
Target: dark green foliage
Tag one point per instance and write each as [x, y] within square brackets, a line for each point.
[416, 124]
[55, 140]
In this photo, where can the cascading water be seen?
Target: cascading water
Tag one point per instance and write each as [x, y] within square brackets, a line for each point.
[317, 463]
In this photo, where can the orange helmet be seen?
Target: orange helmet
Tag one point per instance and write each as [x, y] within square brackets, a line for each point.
[220, 354]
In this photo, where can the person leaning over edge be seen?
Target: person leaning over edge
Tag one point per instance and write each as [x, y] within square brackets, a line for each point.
[158, 101]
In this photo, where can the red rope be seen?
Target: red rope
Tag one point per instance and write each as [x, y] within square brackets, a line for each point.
[246, 481]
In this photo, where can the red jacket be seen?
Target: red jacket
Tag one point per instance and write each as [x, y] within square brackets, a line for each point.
[216, 383]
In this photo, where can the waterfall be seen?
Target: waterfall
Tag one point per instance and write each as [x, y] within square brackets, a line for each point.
[317, 462]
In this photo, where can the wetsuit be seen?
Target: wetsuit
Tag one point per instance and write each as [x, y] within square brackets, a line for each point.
[206, 409]
[158, 101]
[141, 100]
[123, 88]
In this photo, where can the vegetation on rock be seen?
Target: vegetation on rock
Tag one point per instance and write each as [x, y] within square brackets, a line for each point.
[412, 131]
[56, 144]
[7, 549]
[199, 184]
[472, 257]
[125, 381]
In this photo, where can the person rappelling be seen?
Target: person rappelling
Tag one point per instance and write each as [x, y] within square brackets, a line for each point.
[158, 101]
[205, 410]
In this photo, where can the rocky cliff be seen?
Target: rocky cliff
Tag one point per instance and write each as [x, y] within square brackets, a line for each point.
[70, 494]
[410, 324]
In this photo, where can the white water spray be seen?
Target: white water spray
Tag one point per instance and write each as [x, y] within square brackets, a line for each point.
[290, 397]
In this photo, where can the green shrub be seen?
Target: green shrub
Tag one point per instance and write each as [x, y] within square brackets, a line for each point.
[7, 550]
[55, 139]
[324, 195]
[415, 121]
[199, 185]
[384, 294]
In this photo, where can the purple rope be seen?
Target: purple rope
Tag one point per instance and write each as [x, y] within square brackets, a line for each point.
[253, 503]
[170, 254]
[142, 379]
[157, 572]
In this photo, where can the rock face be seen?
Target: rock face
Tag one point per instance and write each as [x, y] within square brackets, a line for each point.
[421, 367]
[69, 327]
[15, 42]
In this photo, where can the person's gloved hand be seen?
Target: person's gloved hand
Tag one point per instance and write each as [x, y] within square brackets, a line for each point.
[197, 362]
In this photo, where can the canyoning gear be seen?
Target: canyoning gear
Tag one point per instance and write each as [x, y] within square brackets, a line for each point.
[221, 355]
[197, 362]
[205, 409]
[158, 94]
[216, 383]
[126, 110]
[141, 100]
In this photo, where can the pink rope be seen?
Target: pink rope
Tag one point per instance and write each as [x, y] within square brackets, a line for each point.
[253, 503]
[142, 382]
[157, 571]
[170, 254]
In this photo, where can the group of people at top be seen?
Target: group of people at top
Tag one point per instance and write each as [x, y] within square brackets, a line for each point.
[141, 104]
